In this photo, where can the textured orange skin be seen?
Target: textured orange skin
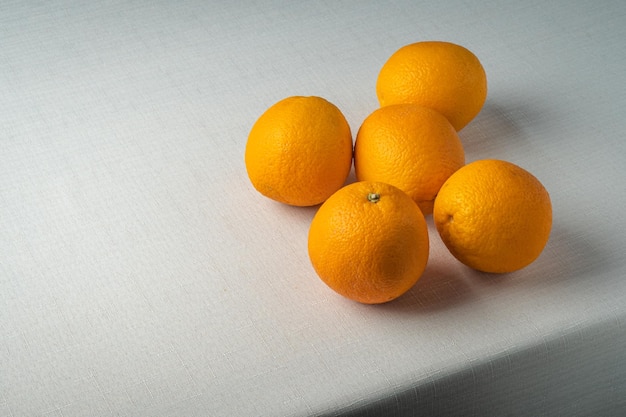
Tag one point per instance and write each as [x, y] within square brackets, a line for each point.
[493, 216]
[411, 147]
[370, 252]
[440, 75]
[299, 151]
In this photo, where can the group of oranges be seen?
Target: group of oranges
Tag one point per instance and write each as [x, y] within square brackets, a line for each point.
[369, 240]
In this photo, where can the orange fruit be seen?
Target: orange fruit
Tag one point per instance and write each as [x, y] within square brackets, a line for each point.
[369, 242]
[299, 151]
[409, 146]
[442, 75]
[493, 216]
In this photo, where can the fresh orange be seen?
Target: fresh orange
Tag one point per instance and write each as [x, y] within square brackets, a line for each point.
[369, 242]
[409, 146]
[299, 151]
[493, 216]
[442, 75]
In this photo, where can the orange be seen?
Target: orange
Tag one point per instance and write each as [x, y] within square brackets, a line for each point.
[493, 216]
[369, 242]
[299, 151]
[442, 75]
[411, 147]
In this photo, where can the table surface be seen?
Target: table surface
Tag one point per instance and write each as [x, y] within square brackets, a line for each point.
[142, 275]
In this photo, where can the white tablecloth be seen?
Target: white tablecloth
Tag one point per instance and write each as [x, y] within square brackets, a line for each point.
[142, 275]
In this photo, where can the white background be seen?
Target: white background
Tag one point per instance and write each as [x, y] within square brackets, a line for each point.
[142, 275]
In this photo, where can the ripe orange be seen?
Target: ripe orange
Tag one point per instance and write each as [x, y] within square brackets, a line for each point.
[411, 147]
[493, 216]
[441, 75]
[369, 242]
[299, 151]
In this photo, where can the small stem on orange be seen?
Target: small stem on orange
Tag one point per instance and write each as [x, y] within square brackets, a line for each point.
[373, 197]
